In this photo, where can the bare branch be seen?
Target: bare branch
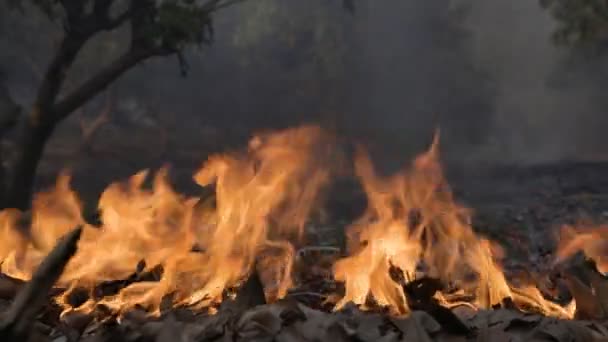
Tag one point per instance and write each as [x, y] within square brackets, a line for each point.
[219, 4]
[89, 129]
[102, 79]
[56, 71]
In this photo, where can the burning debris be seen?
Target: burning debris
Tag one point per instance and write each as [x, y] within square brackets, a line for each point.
[162, 266]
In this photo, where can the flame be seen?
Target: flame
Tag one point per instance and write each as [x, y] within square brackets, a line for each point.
[262, 201]
[412, 220]
[592, 241]
[189, 251]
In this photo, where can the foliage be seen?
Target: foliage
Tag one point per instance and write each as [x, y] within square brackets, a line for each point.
[167, 24]
[37, 26]
[176, 24]
[183, 24]
[579, 21]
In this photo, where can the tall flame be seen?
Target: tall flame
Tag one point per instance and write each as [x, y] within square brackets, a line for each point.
[263, 200]
[412, 220]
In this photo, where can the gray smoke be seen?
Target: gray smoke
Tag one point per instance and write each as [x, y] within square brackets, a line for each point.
[548, 103]
[484, 71]
[420, 76]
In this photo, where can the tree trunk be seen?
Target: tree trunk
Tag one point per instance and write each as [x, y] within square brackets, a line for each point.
[9, 115]
[50, 108]
[46, 115]
[33, 139]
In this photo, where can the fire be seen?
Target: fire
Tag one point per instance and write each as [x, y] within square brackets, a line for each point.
[592, 241]
[412, 220]
[262, 202]
[190, 251]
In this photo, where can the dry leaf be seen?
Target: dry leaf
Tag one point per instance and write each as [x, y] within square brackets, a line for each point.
[586, 303]
[504, 325]
[290, 334]
[600, 287]
[491, 318]
[450, 338]
[391, 336]
[211, 328]
[525, 323]
[368, 326]
[316, 326]
[493, 334]
[464, 312]
[77, 321]
[419, 326]
[339, 331]
[171, 331]
[254, 331]
[598, 330]
[260, 324]
[152, 328]
[561, 330]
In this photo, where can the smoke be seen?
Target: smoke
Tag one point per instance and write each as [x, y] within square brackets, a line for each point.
[419, 76]
[483, 71]
[486, 72]
[548, 103]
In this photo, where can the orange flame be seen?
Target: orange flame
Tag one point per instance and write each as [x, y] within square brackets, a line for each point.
[263, 200]
[412, 219]
[592, 241]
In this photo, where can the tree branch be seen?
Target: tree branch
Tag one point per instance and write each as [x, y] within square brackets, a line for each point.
[102, 79]
[9, 110]
[215, 5]
[137, 7]
[89, 129]
[56, 72]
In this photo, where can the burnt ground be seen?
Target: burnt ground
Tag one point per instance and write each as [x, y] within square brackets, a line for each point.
[515, 202]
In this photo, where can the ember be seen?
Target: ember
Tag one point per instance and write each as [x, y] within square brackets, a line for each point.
[162, 265]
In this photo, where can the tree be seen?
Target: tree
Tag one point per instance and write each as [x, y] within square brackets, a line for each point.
[9, 110]
[155, 29]
[9, 114]
[579, 21]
